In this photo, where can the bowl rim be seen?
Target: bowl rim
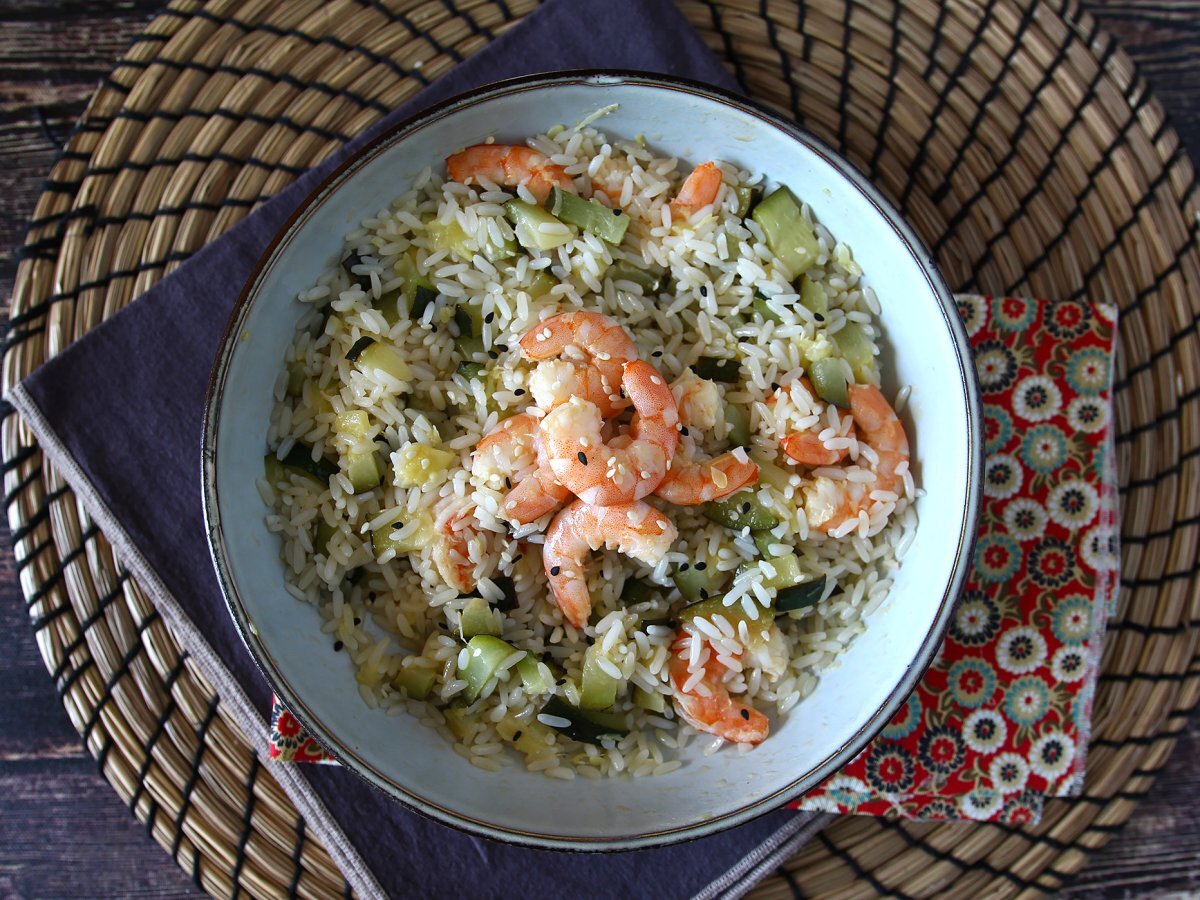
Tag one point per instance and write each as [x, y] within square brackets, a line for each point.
[379, 144]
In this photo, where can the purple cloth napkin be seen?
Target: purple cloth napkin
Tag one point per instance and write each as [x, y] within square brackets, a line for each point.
[120, 412]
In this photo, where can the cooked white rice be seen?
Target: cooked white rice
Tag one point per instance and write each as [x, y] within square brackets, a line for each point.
[394, 611]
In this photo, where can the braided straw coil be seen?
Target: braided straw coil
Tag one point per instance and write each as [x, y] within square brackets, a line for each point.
[1017, 139]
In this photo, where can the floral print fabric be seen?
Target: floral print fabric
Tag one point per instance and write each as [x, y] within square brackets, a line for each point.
[1002, 718]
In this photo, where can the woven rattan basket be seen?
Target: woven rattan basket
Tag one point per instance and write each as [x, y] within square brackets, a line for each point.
[1018, 140]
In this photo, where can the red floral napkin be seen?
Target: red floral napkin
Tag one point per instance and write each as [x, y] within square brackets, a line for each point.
[1003, 716]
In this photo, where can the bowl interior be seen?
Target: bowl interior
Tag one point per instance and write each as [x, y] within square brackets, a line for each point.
[851, 701]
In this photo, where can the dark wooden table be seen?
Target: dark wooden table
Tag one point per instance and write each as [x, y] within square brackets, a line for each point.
[63, 832]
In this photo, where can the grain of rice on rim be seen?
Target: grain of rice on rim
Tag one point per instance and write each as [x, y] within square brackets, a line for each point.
[396, 616]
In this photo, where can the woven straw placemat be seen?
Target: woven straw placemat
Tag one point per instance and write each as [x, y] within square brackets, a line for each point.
[1019, 141]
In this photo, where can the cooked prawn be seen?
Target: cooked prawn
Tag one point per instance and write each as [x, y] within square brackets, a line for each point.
[604, 344]
[806, 447]
[637, 530]
[602, 473]
[509, 166]
[452, 549]
[700, 189]
[515, 446]
[707, 704]
[555, 381]
[689, 481]
[828, 503]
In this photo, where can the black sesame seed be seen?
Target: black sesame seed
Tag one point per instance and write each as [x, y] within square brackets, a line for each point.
[818, 317]
[357, 620]
[490, 318]
[493, 354]
[516, 559]
[701, 566]
[372, 596]
[622, 393]
[703, 593]
[517, 735]
[656, 354]
[520, 392]
[704, 290]
[746, 714]
[508, 482]
[616, 212]
[396, 526]
[503, 348]
[582, 457]
[684, 431]
[746, 507]
[774, 385]
[555, 570]
[338, 645]
[684, 567]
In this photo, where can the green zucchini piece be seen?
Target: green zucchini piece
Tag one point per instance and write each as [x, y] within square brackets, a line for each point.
[460, 723]
[853, 344]
[747, 197]
[769, 473]
[814, 299]
[385, 357]
[800, 596]
[477, 619]
[354, 423]
[363, 471]
[624, 270]
[761, 307]
[388, 537]
[607, 224]
[527, 220]
[734, 615]
[764, 540]
[829, 381]
[714, 369]
[586, 726]
[417, 681]
[534, 678]
[485, 652]
[790, 237]
[700, 581]
[597, 689]
[389, 305]
[738, 419]
[348, 264]
[654, 701]
[470, 370]
[788, 572]
[299, 459]
[741, 511]
[296, 379]
[635, 590]
[423, 293]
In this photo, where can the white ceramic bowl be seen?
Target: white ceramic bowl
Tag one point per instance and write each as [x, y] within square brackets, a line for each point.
[927, 348]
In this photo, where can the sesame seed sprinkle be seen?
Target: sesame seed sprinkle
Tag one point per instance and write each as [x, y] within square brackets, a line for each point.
[555, 570]
[582, 457]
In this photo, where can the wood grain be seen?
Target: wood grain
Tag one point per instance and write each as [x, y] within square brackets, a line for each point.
[63, 832]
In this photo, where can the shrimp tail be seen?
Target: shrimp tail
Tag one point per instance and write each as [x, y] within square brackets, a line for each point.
[693, 483]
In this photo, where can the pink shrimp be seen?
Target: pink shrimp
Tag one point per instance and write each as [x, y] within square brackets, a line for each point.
[700, 189]
[706, 704]
[452, 550]
[604, 474]
[509, 448]
[689, 481]
[509, 166]
[637, 530]
[805, 447]
[600, 339]
[829, 503]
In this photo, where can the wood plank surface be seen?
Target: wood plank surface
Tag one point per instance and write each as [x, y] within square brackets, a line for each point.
[63, 831]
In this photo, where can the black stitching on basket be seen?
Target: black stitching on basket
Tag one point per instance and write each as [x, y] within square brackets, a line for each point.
[844, 79]
[76, 673]
[1149, 629]
[1153, 480]
[1153, 677]
[160, 728]
[802, 30]
[936, 43]
[961, 865]
[26, 480]
[24, 561]
[739, 73]
[297, 855]
[1022, 205]
[972, 131]
[474, 27]
[14, 339]
[86, 625]
[858, 870]
[1142, 740]
[193, 778]
[791, 881]
[1166, 577]
[20, 456]
[1130, 434]
[247, 823]
[952, 81]
[889, 100]
[46, 586]
[46, 618]
[1160, 533]
[120, 672]
[43, 511]
[785, 61]
[414, 31]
